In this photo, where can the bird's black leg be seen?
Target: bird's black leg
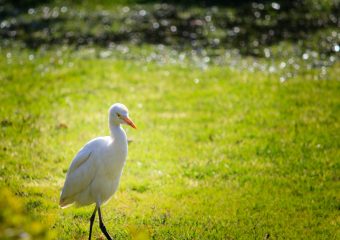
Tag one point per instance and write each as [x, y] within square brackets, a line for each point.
[92, 220]
[102, 226]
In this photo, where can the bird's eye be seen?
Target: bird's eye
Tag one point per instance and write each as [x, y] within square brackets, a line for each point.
[118, 115]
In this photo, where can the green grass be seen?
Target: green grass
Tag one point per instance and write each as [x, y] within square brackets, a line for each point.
[234, 155]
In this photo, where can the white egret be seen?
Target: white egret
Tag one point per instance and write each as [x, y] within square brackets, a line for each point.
[94, 174]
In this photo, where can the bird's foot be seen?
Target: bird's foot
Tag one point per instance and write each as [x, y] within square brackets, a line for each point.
[103, 228]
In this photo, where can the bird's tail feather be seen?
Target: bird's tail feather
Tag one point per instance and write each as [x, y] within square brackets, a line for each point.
[64, 203]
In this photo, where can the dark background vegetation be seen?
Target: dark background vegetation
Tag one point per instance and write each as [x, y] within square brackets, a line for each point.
[249, 26]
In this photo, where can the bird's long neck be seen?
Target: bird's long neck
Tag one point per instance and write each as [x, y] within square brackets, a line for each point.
[118, 134]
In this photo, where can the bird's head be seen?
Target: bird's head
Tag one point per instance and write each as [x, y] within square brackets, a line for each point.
[119, 114]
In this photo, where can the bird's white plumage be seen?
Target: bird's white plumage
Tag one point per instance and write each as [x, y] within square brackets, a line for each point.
[94, 174]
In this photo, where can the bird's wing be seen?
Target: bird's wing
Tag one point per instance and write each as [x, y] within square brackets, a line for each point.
[80, 174]
[82, 156]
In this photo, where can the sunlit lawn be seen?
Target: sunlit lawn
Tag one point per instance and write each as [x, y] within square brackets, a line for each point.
[218, 154]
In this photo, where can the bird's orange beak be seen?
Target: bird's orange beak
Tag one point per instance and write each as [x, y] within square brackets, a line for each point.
[129, 122]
